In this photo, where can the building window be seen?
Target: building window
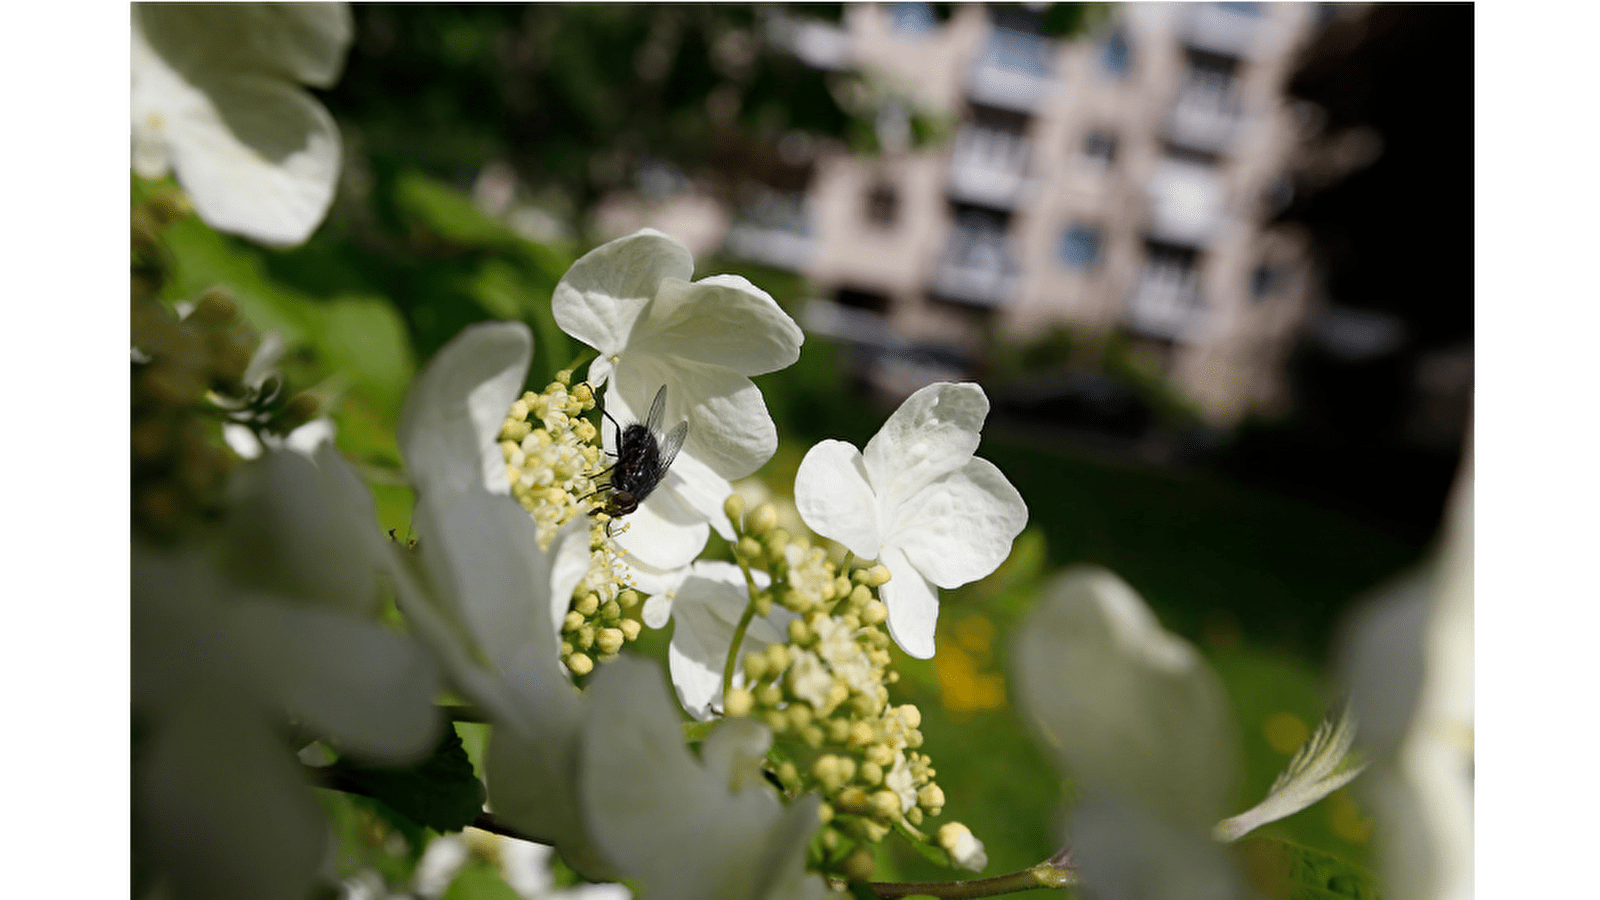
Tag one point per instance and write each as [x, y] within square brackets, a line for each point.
[1080, 247]
[883, 205]
[1100, 148]
[857, 298]
[1262, 282]
[913, 19]
[1019, 51]
[1211, 75]
[1116, 58]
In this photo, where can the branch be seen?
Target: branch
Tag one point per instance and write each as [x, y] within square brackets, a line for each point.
[1044, 875]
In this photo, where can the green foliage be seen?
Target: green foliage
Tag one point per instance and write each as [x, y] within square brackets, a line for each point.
[1288, 871]
[442, 792]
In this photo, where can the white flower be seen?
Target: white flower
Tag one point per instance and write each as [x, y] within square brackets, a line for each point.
[705, 607]
[688, 829]
[632, 300]
[919, 501]
[272, 619]
[217, 97]
[1135, 717]
[1408, 664]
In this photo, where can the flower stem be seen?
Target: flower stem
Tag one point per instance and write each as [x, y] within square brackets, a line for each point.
[732, 662]
[1043, 875]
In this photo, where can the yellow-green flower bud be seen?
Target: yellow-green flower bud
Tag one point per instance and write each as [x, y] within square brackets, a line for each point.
[587, 604]
[879, 754]
[609, 640]
[778, 658]
[838, 730]
[860, 865]
[580, 664]
[584, 636]
[852, 799]
[861, 734]
[828, 773]
[630, 629]
[769, 695]
[871, 773]
[931, 798]
[800, 715]
[738, 703]
[914, 815]
[762, 520]
[799, 634]
[583, 392]
[733, 508]
[763, 604]
[825, 813]
[573, 621]
[877, 576]
[628, 599]
[812, 735]
[777, 720]
[748, 547]
[755, 665]
[860, 595]
[870, 831]
[886, 804]
[611, 611]
[788, 776]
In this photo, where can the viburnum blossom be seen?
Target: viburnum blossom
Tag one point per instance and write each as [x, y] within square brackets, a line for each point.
[217, 98]
[632, 300]
[917, 500]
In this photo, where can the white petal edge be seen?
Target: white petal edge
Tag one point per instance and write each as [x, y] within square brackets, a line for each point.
[835, 499]
[936, 430]
[600, 297]
[457, 405]
[913, 604]
[723, 320]
[961, 527]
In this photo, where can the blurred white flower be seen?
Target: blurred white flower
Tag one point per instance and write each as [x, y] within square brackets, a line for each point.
[963, 846]
[217, 97]
[688, 829]
[1408, 664]
[632, 300]
[917, 500]
[1135, 717]
[271, 620]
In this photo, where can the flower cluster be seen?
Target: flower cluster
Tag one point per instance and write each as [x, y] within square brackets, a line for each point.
[823, 690]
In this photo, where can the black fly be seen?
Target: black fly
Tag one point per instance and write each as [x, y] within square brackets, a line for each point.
[643, 456]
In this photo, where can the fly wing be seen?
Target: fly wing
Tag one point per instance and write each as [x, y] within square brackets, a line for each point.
[652, 422]
[671, 444]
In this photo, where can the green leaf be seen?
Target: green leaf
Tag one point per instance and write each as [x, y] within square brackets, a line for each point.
[441, 792]
[1288, 871]
[479, 882]
[447, 212]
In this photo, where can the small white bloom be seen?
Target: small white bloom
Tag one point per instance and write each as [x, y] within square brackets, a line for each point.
[904, 784]
[917, 500]
[217, 97]
[632, 300]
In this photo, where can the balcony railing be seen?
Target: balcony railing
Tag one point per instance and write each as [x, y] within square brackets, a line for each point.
[1015, 72]
[988, 167]
[1204, 120]
[775, 229]
[1166, 304]
[1230, 29]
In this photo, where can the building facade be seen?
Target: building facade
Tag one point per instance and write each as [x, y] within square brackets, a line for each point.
[1118, 181]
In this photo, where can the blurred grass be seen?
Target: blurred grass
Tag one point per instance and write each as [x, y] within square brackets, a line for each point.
[1258, 580]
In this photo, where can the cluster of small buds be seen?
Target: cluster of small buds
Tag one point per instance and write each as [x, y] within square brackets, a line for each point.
[552, 456]
[824, 693]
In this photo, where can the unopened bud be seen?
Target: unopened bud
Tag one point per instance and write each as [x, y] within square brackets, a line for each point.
[762, 520]
[580, 664]
[738, 703]
[733, 508]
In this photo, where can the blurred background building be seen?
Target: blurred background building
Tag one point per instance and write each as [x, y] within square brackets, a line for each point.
[1119, 181]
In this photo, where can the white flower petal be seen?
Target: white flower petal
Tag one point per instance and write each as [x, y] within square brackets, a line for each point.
[570, 559]
[664, 533]
[368, 688]
[483, 552]
[216, 794]
[258, 156]
[1130, 709]
[306, 530]
[835, 500]
[933, 432]
[960, 527]
[1123, 851]
[457, 405]
[638, 779]
[305, 42]
[701, 490]
[723, 320]
[705, 613]
[603, 293]
[913, 604]
[730, 429]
